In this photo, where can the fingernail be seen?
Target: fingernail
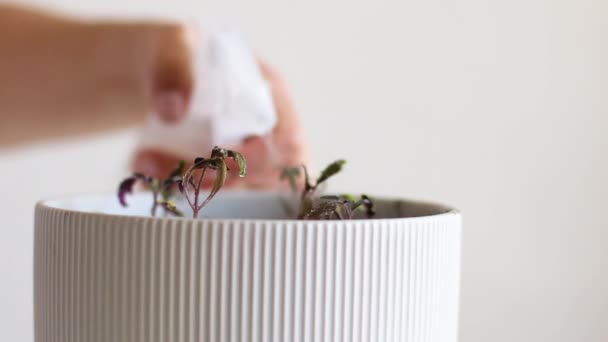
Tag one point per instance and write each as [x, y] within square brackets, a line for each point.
[170, 106]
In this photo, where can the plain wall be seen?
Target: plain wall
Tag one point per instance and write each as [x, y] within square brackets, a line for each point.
[497, 107]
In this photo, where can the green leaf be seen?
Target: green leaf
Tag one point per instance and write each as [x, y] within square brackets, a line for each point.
[219, 152]
[331, 170]
[199, 163]
[155, 185]
[170, 207]
[365, 203]
[240, 161]
[178, 170]
[220, 179]
[169, 185]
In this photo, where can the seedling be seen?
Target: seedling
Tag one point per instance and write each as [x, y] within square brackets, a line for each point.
[189, 183]
[343, 207]
[162, 188]
[311, 206]
[192, 181]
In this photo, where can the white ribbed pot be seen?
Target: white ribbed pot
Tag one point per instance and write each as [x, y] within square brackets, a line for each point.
[104, 274]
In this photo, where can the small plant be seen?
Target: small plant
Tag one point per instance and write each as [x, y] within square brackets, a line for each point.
[192, 181]
[162, 188]
[189, 182]
[311, 206]
[343, 207]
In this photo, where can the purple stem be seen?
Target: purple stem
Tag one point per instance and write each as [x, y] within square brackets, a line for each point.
[195, 207]
[188, 197]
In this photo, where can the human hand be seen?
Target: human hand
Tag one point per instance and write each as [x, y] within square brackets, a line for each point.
[107, 74]
[265, 156]
[64, 76]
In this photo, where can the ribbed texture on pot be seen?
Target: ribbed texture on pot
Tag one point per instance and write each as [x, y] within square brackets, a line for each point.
[102, 278]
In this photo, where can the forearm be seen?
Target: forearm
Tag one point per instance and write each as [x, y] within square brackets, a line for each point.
[61, 76]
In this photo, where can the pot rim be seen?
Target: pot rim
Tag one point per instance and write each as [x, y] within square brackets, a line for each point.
[53, 205]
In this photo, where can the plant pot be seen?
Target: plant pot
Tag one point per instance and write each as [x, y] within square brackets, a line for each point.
[244, 273]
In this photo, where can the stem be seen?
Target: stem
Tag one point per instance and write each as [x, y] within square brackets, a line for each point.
[209, 197]
[155, 204]
[337, 213]
[188, 197]
[195, 207]
[211, 194]
[349, 211]
[206, 201]
[305, 195]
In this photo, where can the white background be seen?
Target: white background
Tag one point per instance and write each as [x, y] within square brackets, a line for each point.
[497, 107]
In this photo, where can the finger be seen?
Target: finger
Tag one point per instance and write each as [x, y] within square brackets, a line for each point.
[172, 79]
